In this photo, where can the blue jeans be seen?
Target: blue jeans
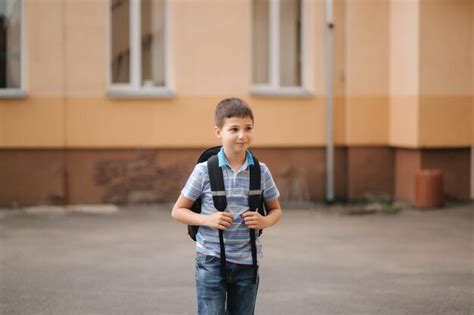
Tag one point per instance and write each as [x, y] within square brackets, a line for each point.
[236, 294]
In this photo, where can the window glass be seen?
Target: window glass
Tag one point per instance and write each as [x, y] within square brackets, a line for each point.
[260, 47]
[153, 43]
[10, 44]
[120, 41]
[290, 43]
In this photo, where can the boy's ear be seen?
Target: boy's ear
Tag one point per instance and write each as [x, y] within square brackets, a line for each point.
[217, 131]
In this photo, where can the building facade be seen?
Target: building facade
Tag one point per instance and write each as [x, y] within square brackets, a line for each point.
[111, 101]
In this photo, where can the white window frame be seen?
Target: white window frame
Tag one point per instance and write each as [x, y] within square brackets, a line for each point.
[274, 88]
[134, 89]
[6, 93]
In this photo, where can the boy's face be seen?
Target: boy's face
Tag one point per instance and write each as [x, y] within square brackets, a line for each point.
[236, 134]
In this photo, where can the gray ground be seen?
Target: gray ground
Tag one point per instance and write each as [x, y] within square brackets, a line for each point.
[317, 261]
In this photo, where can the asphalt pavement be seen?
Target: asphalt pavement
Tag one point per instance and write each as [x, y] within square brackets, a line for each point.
[137, 260]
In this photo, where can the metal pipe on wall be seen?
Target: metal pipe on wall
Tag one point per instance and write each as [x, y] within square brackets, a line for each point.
[330, 100]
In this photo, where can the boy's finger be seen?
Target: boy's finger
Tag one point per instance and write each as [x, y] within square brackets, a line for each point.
[223, 221]
[248, 223]
[227, 218]
[249, 220]
[226, 223]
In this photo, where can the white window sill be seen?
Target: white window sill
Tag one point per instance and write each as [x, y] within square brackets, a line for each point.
[12, 94]
[144, 93]
[266, 91]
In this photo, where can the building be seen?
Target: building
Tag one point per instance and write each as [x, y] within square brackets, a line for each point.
[112, 100]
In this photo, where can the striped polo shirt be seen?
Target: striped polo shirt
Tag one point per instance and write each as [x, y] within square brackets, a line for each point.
[236, 237]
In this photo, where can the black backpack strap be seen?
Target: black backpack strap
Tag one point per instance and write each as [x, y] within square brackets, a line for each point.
[216, 179]
[255, 198]
[196, 207]
[255, 193]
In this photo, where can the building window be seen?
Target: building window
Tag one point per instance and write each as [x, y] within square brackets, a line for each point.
[11, 51]
[138, 50]
[277, 47]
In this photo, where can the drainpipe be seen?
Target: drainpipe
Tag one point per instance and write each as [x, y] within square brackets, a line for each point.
[329, 107]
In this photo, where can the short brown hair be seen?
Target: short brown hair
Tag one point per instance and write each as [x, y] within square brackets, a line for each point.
[231, 107]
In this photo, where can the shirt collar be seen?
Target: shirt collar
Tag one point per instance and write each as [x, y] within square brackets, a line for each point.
[223, 160]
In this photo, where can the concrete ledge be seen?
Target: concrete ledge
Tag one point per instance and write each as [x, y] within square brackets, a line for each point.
[93, 209]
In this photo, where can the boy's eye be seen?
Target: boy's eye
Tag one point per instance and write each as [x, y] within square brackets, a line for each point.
[248, 128]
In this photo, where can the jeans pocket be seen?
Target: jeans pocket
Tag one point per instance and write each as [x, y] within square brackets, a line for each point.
[206, 260]
[212, 259]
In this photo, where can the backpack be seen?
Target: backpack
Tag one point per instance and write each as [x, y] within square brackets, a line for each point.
[216, 179]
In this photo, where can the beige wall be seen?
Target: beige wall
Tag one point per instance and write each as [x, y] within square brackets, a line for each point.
[430, 73]
[403, 77]
[66, 47]
[445, 47]
[382, 96]
[211, 46]
[151, 123]
[37, 122]
[445, 121]
[67, 73]
[339, 72]
[85, 47]
[367, 72]
[445, 73]
[44, 34]
[404, 65]
[210, 60]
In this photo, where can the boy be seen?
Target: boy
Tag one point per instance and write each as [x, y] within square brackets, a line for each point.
[236, 292]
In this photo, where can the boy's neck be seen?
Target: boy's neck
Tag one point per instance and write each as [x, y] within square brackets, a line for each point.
[236, 160]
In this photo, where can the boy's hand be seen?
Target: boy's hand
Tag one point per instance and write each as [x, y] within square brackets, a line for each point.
[219, 220]
[254, 220]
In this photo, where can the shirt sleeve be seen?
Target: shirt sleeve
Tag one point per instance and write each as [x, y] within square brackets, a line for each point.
[194, 186]
[270, 190]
